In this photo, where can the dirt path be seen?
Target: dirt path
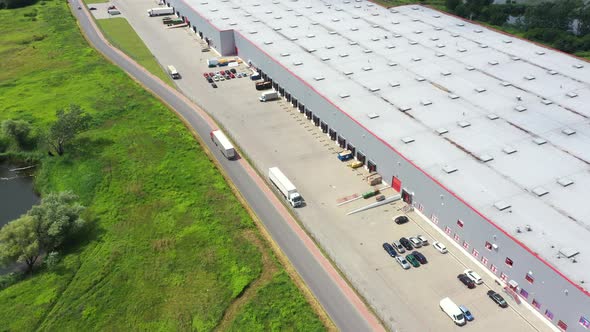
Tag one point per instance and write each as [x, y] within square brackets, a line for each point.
[269, 269]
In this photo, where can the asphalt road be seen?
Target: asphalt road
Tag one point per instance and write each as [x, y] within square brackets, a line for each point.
[341, 304]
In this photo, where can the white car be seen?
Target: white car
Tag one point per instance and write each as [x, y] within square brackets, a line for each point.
[415, 242]
[440, 247]
[403, 262]
[473, 276]
[423, 240]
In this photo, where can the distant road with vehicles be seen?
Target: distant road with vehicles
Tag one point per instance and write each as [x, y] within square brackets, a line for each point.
[341, 303]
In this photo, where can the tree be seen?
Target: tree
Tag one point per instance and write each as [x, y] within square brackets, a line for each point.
[18, 130]
[56, 219]
[452, 4]
[70, 122]
[19, 242]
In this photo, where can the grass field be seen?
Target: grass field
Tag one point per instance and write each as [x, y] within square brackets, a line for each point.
[170, 247]
[121, 35]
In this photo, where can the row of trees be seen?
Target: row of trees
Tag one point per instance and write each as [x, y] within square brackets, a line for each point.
[44, 229]
[563, 24]
[69, 123]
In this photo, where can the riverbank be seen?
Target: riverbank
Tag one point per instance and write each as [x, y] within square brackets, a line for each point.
[170, 247]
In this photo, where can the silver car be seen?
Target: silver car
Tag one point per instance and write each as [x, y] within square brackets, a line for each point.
[415, 242]
[398, 246]
[423, 239]
[403, 262]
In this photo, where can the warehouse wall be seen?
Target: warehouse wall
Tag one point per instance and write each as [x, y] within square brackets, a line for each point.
[202, 24]
[549, 288]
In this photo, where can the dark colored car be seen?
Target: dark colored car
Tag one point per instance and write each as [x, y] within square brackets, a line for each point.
[233, 70]
[389, 248]
[406, 243]
[412, 260]
[232, 75]
[213, 85]
[466, 281]
[401, 220]
[211, 74]
[92, 8]
[209, 79]
[498, 299]
[421, 258]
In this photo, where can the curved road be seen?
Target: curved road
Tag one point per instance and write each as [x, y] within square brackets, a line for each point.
[341, 303]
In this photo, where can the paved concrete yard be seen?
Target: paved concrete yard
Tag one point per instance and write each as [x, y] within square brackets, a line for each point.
[275, 134]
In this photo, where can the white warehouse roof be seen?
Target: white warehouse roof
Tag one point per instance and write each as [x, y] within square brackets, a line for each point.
[511, 117]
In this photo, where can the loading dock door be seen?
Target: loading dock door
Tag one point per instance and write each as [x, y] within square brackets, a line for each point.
[341, 141]
[371, 165]
[351, 148]
[294, 102]
[407, 197]
[288, 96]
[301, 108]
[316, 120]
[361, 157]
[332, 134]
[275, 86]
[396, 183]
[308, 114]
[324, 127]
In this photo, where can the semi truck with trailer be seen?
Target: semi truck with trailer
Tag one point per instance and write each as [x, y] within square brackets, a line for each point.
[268, 96]
[285, 186]
[452, 310]
[223, 143]
[160, 11]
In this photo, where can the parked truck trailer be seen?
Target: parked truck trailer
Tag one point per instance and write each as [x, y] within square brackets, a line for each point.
[160, 11]
[223, 143]
[268, 96]
[285, 186]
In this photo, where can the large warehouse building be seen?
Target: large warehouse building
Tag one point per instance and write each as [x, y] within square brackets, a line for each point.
[485, 134]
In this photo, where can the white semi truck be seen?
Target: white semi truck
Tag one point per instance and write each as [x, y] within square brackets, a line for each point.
[268, 96]
[452, 310]
[223, 143]
[160, 11]
[285, 186]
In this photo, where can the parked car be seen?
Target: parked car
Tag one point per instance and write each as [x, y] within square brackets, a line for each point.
[214, 86]
[389, 249]
[421, 258]
[398, 246]
[413, 260]
[440, 247]
[403, 262]
[423, 239]
[233, 70]
[216, 78]
[406, 243]
[473, 276]
[498, 299]
[466, 281]
[466, 313]
[92, 8]
[415, 242]
[232, 75]
[401, 220]
[206, 75]
[211, 74]
[209, 79]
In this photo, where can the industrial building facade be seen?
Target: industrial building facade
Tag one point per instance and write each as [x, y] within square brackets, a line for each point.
[537, 266]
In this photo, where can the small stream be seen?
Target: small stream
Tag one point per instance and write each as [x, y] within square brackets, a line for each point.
[17, 196]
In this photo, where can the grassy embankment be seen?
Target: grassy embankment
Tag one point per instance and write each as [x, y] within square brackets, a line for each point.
[122, 36]
[170, 248]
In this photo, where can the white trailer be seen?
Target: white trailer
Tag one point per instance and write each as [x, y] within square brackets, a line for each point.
[160, 11]
[285, 186]
[268, 96]
[452, 310]
[223, 143]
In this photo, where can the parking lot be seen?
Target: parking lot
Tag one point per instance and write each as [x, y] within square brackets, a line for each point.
[275, 134]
